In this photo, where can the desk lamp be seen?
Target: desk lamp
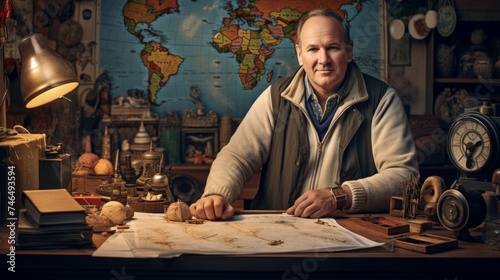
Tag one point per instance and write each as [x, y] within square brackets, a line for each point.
[45, 75]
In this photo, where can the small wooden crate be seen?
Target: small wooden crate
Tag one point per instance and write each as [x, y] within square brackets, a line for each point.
[426, 243]
[140, 205]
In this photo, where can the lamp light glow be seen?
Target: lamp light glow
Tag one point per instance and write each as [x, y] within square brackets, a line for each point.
[45, 75]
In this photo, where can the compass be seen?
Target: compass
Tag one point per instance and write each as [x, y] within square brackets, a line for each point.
[473, 144]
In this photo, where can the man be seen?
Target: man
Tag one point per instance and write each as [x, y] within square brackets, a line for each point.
[329, 138]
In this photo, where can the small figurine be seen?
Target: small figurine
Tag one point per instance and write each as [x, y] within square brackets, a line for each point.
[196, 99]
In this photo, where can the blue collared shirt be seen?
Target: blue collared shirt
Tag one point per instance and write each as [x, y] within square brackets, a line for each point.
[331, 103]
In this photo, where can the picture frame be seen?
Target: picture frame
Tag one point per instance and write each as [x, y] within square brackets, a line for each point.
[400, 51]
[200, 145]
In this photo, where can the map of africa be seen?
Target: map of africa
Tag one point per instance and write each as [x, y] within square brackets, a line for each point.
[231, 50]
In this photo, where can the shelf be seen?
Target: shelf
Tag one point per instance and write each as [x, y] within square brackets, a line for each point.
[130, 121]
[466, 81]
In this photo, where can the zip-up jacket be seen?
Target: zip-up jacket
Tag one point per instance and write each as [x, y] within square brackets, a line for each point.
[368, 147]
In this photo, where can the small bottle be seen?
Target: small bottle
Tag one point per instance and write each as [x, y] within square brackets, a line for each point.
[491, 228]
[491, 234]
[118, 189]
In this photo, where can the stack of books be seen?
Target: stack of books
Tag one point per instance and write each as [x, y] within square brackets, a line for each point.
[52, 219]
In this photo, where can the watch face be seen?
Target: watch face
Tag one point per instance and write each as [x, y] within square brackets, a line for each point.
[472, 144]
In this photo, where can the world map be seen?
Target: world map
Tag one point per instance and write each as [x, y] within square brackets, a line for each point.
[230, 50]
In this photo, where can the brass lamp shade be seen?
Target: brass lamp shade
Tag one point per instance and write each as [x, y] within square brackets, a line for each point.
[45, 75]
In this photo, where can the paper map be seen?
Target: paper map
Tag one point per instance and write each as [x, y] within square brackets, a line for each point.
[151, 235]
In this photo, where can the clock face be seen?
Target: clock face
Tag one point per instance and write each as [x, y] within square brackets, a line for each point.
[472, 143]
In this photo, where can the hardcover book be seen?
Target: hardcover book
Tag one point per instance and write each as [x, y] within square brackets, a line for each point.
[52, 207]
[31, 235]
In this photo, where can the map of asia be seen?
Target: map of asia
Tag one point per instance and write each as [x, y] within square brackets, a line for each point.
[230, 50]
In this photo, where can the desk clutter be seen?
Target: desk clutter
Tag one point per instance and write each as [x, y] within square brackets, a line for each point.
[140, 184]
[110, 194]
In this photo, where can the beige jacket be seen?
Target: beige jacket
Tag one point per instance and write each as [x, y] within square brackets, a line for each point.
[392, 144]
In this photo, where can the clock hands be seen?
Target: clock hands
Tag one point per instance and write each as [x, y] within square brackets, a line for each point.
[469, 152]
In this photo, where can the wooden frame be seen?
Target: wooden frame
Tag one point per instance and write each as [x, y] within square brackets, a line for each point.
[426, 243]
[383, 225]
[200, 145]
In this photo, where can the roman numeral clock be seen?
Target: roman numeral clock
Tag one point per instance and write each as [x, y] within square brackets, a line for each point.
[473, 145]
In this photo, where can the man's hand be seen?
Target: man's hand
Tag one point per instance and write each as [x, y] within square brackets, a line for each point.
[212, 207]
[313, 204]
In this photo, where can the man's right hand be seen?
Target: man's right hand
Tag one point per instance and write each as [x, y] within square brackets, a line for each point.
[212, 207]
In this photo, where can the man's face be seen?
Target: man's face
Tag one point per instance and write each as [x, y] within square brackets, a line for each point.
[323, 53]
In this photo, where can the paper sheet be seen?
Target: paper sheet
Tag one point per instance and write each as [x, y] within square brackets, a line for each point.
[152, 236]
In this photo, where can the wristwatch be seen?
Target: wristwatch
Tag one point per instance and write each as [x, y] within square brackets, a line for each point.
[340, 196]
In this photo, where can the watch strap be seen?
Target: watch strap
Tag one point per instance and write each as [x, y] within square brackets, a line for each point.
[340, 196]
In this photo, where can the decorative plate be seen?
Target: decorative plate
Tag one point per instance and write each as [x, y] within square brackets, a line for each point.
[447, 20]
[397, 29]
[451, 103]
[417, 27]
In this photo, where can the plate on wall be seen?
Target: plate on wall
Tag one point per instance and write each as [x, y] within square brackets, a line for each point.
[397, 29]
[447, 20]
[451, 103]
[417, 27]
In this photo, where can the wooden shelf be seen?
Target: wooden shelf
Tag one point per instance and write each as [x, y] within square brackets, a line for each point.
[132, 122]
[466, 81]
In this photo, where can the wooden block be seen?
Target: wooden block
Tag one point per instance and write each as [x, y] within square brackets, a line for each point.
[396, 206]
[384, 225]
[419, 226]
[426, 243]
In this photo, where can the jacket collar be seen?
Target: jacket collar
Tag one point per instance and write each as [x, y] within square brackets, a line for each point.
[296, 90]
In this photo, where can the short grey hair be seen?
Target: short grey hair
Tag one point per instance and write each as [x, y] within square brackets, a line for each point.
[325, 13]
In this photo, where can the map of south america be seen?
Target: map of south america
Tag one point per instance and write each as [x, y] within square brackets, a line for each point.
[161, 64]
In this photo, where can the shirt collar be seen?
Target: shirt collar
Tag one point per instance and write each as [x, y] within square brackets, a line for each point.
[343, 90]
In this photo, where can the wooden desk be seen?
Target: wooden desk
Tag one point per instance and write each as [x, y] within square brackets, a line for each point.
[469, 261]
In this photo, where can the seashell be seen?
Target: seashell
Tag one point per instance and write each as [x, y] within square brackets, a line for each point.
[115, 213]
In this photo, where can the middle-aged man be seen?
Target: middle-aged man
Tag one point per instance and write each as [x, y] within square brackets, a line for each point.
[328, 138]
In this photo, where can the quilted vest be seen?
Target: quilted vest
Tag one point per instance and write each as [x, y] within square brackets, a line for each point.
[282, 175]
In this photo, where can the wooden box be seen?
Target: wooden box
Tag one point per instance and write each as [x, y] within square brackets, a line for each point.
[87, 184]
[426, 243]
